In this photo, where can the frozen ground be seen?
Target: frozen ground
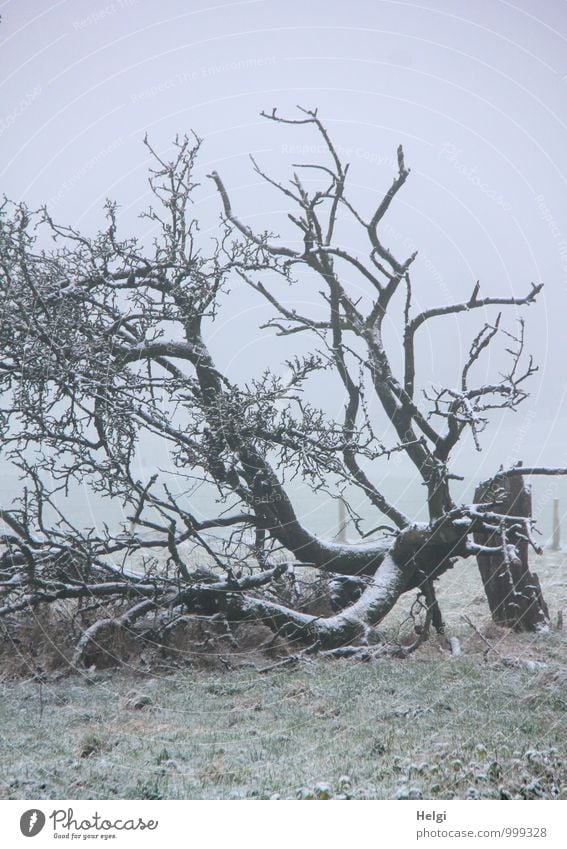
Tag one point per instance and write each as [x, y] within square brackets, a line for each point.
[488, 724]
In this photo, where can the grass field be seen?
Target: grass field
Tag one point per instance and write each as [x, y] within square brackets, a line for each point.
[490, 723]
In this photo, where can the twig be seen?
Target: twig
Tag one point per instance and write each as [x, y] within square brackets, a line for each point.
[292, 659]
[482, 637]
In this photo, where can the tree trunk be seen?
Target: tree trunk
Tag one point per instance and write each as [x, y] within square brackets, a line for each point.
[418, 555]
[513, 592]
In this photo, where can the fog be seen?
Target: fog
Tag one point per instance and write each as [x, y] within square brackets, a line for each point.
[475, 93]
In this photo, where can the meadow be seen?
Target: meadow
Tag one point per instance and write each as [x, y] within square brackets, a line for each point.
[489, 723]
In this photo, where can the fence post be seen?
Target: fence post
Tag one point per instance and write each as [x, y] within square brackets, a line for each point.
[343, 522]
[556, 541]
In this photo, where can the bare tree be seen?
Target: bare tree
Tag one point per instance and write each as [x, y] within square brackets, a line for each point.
[105, 355]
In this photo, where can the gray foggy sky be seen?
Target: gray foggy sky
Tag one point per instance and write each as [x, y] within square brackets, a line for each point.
[475, 92]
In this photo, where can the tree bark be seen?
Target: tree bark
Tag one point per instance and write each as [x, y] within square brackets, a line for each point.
[513, 591]
[418, 554]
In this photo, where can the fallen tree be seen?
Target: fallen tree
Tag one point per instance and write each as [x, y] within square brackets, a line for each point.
[105, 356]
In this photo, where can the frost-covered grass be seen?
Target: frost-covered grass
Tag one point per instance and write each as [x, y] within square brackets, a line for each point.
[433, 725]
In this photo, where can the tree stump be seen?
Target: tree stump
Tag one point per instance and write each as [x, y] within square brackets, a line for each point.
[513, 592]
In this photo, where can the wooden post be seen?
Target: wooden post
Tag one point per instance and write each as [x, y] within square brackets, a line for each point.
[341, 533]
[556, 541]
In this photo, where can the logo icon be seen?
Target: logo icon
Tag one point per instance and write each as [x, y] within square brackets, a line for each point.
[31, 822]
